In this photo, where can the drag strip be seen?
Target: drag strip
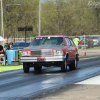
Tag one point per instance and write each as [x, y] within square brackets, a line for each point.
[16, 85]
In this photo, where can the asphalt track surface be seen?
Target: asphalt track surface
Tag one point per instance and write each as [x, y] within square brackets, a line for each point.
[16, 85]
[88, 89]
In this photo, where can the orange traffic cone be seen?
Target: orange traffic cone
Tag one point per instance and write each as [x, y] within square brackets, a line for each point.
[84, 53]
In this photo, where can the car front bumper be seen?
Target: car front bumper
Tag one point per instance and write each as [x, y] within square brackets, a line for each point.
[42, 59]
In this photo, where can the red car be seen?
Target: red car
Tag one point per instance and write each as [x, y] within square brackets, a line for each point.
[50, 50]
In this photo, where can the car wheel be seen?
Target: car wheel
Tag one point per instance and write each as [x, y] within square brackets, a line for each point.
[37, 68]
[88, 45]
[73, 66]
[26, 67]
[64, 66]
[92, 46]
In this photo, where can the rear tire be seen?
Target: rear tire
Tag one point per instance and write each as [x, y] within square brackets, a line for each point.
[26, 67]
[92, 46]
[73, 66]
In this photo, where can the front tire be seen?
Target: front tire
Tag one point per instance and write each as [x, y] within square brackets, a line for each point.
[26, 67]
[64, 66]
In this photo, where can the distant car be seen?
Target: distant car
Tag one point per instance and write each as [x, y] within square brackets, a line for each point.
[85, 41]
[19, 45]
[96, 40]
[50, 50]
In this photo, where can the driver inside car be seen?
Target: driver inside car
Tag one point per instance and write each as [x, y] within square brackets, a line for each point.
[60, 41]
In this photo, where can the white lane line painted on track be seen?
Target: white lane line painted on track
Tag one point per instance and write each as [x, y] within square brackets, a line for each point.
[92, 81]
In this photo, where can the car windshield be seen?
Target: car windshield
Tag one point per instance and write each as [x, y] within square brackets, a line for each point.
[95, 37]
[48, 40]
[20, 44]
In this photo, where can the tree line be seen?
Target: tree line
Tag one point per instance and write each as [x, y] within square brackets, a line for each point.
[63, 17]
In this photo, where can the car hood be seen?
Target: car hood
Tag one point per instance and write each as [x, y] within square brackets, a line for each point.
[46, 46]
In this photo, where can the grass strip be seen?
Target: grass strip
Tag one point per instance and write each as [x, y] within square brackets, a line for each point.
[6, 68]
[95, 48]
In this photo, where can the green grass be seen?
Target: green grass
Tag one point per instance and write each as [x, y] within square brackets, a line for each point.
[95, 48]
[5, 68]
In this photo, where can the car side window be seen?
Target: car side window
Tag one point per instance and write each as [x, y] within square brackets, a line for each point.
[72, 44]
[68, 43]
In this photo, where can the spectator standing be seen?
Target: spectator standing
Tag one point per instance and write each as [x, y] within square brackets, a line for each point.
[11, 44]
[2, 54]
[76, 41]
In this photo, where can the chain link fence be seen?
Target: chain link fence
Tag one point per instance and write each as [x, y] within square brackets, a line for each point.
[85, 41]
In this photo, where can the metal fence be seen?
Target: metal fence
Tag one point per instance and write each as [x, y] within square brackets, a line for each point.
[85, 41]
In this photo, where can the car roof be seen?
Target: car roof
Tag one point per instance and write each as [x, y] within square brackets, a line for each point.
[52, 36]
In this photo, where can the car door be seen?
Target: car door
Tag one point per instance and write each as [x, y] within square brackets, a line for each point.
[69, 49]
[73, 48]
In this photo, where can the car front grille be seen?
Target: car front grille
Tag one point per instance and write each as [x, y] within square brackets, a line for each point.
[41, 53]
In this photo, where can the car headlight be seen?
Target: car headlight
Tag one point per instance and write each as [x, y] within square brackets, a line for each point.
[25, 53]
[58, 52]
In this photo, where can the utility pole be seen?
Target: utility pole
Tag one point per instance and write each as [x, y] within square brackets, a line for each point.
[2, 31]
[39, 17]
